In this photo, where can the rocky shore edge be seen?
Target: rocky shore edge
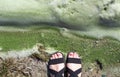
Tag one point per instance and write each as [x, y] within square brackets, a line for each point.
[35, 65]
[28, 63]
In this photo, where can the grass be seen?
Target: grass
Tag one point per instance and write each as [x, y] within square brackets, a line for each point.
[104, 50]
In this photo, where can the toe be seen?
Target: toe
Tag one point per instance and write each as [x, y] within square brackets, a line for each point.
[76, 55]
[59, 55]
[55, 56]
[71, 55]
[51, 58]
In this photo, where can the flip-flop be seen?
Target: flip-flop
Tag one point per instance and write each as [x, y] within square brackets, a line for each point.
[76, 61]
[53, 72]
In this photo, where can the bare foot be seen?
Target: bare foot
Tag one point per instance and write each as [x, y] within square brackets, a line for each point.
[57, 67]
[74, 66]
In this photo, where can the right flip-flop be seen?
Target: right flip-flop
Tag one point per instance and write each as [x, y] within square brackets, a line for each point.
[75, 62]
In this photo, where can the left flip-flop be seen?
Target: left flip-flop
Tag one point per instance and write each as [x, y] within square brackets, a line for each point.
[56, 65]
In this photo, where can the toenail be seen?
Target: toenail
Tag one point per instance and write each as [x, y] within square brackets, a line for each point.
[70, 54]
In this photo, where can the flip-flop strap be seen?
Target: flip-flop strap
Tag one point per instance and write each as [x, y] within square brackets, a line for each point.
[74, 60]
[56, 61]
[57, 74]
[74, 73]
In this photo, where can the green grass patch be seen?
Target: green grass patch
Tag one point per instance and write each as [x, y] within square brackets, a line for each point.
[105, 50]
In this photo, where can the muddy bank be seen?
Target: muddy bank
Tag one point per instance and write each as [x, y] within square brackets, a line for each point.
[35, 65]
[23, 67]
[32, 66]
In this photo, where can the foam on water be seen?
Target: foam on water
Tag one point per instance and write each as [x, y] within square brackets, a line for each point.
[101, 33]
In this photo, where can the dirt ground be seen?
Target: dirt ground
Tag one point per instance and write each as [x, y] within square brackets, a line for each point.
[33, 67]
